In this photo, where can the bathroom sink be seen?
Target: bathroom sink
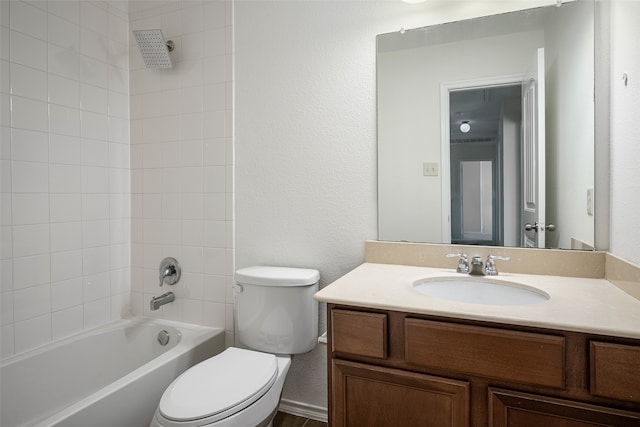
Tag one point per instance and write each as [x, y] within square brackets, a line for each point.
[480, 291]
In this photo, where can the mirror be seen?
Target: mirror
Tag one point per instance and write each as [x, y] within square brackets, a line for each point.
[504, 101]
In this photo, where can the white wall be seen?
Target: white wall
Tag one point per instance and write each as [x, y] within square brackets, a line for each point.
[181, 162]
[305, 137]
[64, 159]
[625, 149]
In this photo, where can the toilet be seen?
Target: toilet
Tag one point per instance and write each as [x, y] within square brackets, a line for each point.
[276, 317]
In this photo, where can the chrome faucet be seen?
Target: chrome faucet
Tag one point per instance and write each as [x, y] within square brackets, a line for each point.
[490, 267]
[170, 272]
[476, 267]
[157, 302]
[463, 262]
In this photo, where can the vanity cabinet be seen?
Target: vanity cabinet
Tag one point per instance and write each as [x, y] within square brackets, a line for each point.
[389, 368]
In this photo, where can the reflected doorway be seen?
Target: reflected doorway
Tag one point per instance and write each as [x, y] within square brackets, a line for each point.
[485, 165]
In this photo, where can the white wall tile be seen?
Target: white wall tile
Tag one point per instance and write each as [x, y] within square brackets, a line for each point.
[95, 233]
[63, 62]
[28, 19]
[31, 302]
[64, 149]
[67, 322]
[64, 120]
[5, 141]
[93, 71]
[96, 313]
[28, 82]
[66, 236]
[7, 337]
[31, 271]
[94, 126]
[95, 152]
[64, 178]
[29, 146]
[30, 208]
[30, 177]
[95, 206]
[66, 294]
[63, 91]
[93, 45]
[95, 179]
[94, 99]
[66, 265]
[29, 114]
[28, 51]
[65, 207]
[95, 260]
[30, 240]
[6, 308]
[6, 242]
[6, 209]
[63, 33]
[32, 333]
[67, 9]
[93, 17]
[96, 286]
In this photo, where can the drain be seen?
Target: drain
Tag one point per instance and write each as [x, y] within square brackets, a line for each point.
[163, 337]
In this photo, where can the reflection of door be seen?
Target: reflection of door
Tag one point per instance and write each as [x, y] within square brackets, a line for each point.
[533, 154]
[476, 188]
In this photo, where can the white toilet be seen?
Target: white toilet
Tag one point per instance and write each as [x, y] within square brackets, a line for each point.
[277, 316]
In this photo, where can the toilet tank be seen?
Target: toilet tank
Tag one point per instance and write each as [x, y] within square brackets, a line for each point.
[275, 309]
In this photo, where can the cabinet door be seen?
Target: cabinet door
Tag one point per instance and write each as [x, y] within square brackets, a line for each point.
[372, 396]
[513, 409]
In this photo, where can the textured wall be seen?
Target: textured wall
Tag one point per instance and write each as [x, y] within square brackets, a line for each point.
[305, 138]
[625, 150]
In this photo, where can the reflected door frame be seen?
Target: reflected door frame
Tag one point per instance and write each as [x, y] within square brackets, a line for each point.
[445, 136]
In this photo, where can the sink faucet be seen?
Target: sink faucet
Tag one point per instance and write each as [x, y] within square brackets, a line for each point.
[463, 262]
[166, 298]
[476, 266]
[490, 267]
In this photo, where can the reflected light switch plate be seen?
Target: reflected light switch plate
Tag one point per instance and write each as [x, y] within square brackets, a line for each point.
[430, 169]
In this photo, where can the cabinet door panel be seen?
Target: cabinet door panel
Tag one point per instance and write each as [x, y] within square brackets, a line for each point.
[372, 396]
[615, 371]
[514, 409]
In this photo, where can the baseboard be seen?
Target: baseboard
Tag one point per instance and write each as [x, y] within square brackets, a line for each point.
[305, 410]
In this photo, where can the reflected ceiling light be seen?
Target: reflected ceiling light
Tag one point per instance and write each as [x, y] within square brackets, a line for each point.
[465, 127]
[414, 1]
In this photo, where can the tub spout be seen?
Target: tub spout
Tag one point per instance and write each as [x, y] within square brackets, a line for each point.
[157, 302]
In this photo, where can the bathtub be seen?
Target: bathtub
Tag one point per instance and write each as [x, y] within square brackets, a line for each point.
[112, 376]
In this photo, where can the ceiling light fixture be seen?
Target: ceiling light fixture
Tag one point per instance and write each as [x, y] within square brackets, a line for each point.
[465, 127]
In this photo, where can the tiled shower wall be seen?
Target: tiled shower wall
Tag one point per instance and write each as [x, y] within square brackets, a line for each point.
[65, 178]
[181, 161]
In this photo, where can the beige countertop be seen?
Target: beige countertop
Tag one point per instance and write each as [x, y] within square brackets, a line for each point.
[576, 304]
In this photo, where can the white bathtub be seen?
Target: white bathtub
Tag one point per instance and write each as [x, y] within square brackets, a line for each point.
[112, 376]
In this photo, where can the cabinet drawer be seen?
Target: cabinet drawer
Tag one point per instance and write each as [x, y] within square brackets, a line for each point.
[359, 333]
[615, 371]
[522, 357]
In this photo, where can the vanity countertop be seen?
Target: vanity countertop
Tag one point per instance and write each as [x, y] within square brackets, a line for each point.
[576, 304]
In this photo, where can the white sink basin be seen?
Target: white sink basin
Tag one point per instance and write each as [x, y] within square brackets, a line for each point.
[480, 291]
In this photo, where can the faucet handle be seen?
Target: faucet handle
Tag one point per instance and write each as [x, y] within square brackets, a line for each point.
[490, 266]
[169, 271]
[463, 262]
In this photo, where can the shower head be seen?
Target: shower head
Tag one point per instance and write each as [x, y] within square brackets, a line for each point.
[153, 48]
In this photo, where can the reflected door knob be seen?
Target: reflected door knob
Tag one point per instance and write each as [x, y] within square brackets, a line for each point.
[536, 226]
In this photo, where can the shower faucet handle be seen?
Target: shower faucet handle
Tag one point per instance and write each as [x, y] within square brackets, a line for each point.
[170, 271]
[463, 262]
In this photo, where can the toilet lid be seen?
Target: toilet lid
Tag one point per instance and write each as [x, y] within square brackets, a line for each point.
[220, 386]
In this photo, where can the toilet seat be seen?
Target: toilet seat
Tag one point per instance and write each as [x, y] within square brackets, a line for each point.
[218, 387]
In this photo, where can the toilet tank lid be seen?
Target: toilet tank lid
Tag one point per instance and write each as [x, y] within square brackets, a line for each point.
[277, 276]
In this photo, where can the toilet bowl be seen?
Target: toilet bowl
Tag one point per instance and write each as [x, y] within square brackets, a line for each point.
[241, 379]
[276, 317]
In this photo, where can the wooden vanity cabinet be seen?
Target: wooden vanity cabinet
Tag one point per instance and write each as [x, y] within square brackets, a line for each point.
[393, 369]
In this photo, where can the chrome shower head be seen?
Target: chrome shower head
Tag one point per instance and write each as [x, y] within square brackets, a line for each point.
[153, 48]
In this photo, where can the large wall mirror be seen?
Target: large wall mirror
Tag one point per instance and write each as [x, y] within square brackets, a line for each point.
[486, 130]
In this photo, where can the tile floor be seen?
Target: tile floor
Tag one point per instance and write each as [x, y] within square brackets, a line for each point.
[287, 420]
